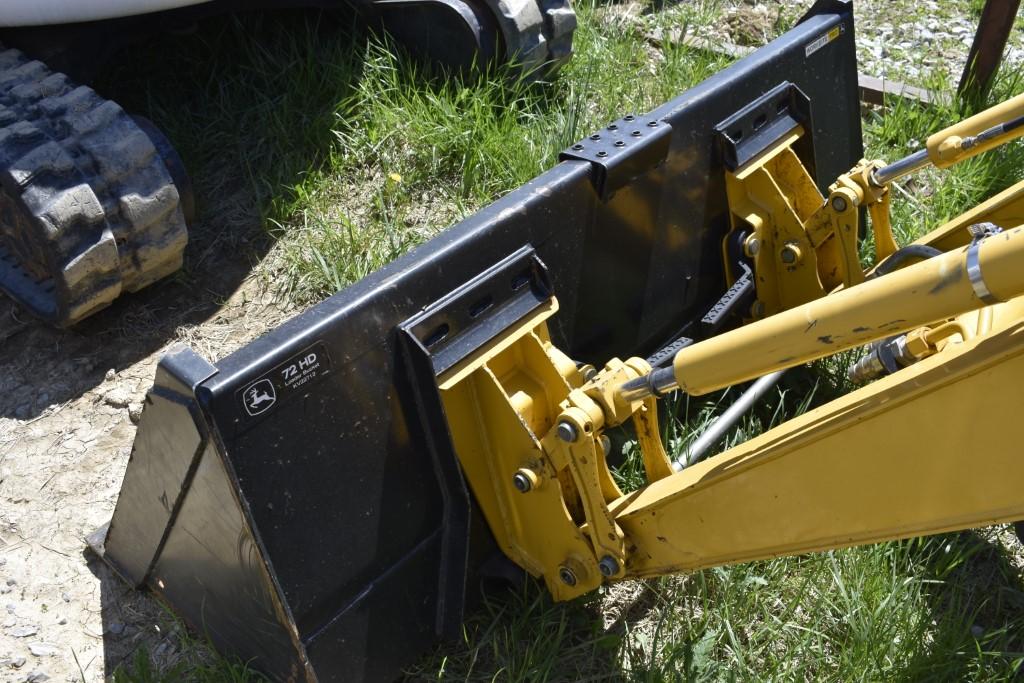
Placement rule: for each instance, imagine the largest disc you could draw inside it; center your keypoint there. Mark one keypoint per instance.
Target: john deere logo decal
(294, 377)
(259, 397)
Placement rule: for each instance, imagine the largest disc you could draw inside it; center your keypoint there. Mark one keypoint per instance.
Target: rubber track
(87, 208)
(538, 33)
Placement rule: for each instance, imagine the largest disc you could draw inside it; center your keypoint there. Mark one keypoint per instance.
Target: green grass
(346, 155)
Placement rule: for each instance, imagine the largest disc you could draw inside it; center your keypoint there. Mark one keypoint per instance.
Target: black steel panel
(216, 576)
(346, 500)
(167, 446)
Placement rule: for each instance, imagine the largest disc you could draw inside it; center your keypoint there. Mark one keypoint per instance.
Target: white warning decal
(823, 40)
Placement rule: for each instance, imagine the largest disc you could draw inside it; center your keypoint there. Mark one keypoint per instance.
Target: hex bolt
(608, 566)
(595, 136)
(652, 124)
(577, 147)
(636, 133)
(602, 153)
(613, 126)
(629, 117)
(567, 431)
(839, 204)
(790, 254)
(525, 480)
(620, 143)
(566, 575)
(751, 246)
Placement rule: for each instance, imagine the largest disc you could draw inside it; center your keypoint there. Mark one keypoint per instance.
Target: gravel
(919, 42)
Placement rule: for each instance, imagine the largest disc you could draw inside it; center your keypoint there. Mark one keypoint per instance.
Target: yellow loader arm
(923, 449)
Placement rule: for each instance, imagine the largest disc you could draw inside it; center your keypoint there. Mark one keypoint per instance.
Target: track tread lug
(96, 211)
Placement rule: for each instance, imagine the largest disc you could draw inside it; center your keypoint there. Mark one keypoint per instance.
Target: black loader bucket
(299, 501)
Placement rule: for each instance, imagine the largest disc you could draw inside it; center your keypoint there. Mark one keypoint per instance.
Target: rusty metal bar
(989, 42)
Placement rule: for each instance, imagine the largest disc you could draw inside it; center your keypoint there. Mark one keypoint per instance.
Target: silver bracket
(980, 231)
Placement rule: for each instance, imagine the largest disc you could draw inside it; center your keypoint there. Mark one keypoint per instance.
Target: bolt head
(595, 136)
(602, 153)
(752, 246)
(567, 432)
(839, 203)
(608, 566)
(790, 254)
(522, 482)
(566, 575)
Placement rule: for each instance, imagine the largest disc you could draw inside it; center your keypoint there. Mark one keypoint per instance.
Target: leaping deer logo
(259, 397)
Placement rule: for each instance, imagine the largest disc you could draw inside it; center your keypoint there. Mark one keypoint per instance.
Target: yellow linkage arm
(932, 290)
(931, 448)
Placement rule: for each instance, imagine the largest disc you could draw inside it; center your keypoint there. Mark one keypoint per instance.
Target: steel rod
(698, 450)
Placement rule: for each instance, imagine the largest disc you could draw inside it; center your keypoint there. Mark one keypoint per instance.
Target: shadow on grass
(250, 103)
(977, 600)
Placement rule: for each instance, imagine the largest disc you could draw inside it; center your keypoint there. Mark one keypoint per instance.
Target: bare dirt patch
(68, 406)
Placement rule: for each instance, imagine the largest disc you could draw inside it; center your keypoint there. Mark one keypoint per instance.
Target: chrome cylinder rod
(898, 169)
(658, 383)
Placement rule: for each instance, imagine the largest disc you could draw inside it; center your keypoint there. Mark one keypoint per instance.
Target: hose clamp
(980, 231)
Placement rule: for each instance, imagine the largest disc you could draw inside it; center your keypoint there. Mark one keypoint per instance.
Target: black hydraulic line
(902, 255)
(993, 132)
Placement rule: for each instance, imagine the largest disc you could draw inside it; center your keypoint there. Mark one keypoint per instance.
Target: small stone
(13, 662)
(65, 597)
(36, 677)
(23, 631)
(62, 621)
(116, 398)
(10, 607)
(8, 622)
(12, 582)
(42, 649)
(135, 412)
(115, 628)
(23, 411)
(110, 375)
(5, 589)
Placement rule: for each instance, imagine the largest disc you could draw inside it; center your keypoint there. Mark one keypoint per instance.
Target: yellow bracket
(803, 245)
(528, 425)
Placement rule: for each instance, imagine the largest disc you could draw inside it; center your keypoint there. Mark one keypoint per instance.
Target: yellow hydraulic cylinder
(984, 131)
(933, 290)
